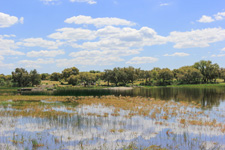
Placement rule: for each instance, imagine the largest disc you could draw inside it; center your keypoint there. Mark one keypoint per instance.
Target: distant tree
(45, 76)
(107, 76)
(20, 77)
(132, 73)
(35, 78)
(145, 74)
(94, 71)
(155, 73)
(74, 80)
(55, 76)
(208, 70)
(188, 75)
(222, 73)
(165, 74)
(66, 73)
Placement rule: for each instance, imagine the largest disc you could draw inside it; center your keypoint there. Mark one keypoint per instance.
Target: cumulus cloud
(36, 63)
(196, 38)
(84, 1)
(8, 46)
(178, 54)
(99, 22)
(39, 42)
(142, 60)
(8, 66)
(206, 19)
(73, 34)
(45, 53)
(7, 20)
(98, 60)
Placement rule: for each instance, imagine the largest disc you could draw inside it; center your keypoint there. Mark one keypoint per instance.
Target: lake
(141, 118)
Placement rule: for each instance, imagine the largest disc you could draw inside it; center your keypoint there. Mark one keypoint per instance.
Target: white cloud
(220, 16)
(84, 1)
(36, 63)
(164, 4)
(4, 66)
(142, 60)
(73, 34)
(206, 19)
(178, 54)
(98, 60)
(10, 52)
(223, 49)
(45, 53)
(52, 2)
(98, 22)
(197, 38)
(7, 20)
(219, 55)
(8, 46)
(39, 42)
(1, 58)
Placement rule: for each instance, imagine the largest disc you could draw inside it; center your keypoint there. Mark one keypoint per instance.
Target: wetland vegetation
(77, 110)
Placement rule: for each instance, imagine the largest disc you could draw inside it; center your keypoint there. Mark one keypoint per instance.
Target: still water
(187, 119)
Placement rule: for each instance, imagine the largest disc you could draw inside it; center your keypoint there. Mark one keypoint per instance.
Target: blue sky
(50, 35)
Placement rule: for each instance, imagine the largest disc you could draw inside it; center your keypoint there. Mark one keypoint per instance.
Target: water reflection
(87, 127)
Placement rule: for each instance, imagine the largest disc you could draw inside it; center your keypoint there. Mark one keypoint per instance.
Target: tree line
(200, 72)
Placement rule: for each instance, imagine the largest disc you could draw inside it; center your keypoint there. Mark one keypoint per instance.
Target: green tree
(188, 75)
(107, 76)
(35, 78)
(208, 70)
(66, 73)
(55, 76)
(132, 73)
(20, 77)
(165, 74)
(74, 80)
(222, 74)
(45, 76)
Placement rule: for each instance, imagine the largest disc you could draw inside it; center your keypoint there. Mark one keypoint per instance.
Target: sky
(51, 35)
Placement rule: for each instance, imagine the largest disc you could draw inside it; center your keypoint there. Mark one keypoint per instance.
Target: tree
(20, 77)
(35, 78)
(74, 80)
(66, 73)
(107, 76)
(222, 74)
(165, 74)
(45, 76)
(132, 73)
(188, 75)
(55, 76)
(208, 70)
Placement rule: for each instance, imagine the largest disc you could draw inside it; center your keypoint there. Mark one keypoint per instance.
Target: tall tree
(55, 76)
(208, 70)
(35, 78)
(20, 77)
(66, 73)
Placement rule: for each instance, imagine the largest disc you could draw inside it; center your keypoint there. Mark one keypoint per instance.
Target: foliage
(55, 76)
(209, 71)
(35, 78)
(20, 77)
(66, 73)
